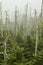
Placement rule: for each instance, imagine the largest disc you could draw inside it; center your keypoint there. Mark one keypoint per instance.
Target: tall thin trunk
(36, 22)
(36, 40)
(15, 28)
(1, 23)
(5, 53)
(25, 20)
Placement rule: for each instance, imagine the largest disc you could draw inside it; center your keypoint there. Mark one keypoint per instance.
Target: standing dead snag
(5, 53)
(5, 50)
(42, 11)
(7, 24)
(25, 20)
(41, 18)
(1, 23)
(30, 21)
(6, 37)
(15, 26)
(36, 22)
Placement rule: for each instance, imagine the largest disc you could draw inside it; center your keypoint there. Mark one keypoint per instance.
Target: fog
(9, 5)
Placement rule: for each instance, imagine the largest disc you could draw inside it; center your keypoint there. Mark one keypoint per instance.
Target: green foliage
(21, 51)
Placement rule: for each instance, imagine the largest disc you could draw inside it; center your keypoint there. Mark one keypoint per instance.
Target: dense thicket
(21, 50)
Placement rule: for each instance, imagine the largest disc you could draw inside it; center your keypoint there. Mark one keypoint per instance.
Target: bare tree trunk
(6, 38)
(5, 50)
(15, 28)
(25, 20)
(36, 40)
(5, 53)
(36, 22)
(1, 23)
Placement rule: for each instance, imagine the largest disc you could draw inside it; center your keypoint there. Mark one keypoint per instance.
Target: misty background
(9, 5)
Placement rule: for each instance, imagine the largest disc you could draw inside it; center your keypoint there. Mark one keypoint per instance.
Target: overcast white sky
(9, 5)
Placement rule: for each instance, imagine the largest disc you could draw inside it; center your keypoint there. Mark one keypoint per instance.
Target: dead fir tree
(1, 23)
(25, 20)
(41, 19)
(15, 23)
(36, 22)
(6, 37)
